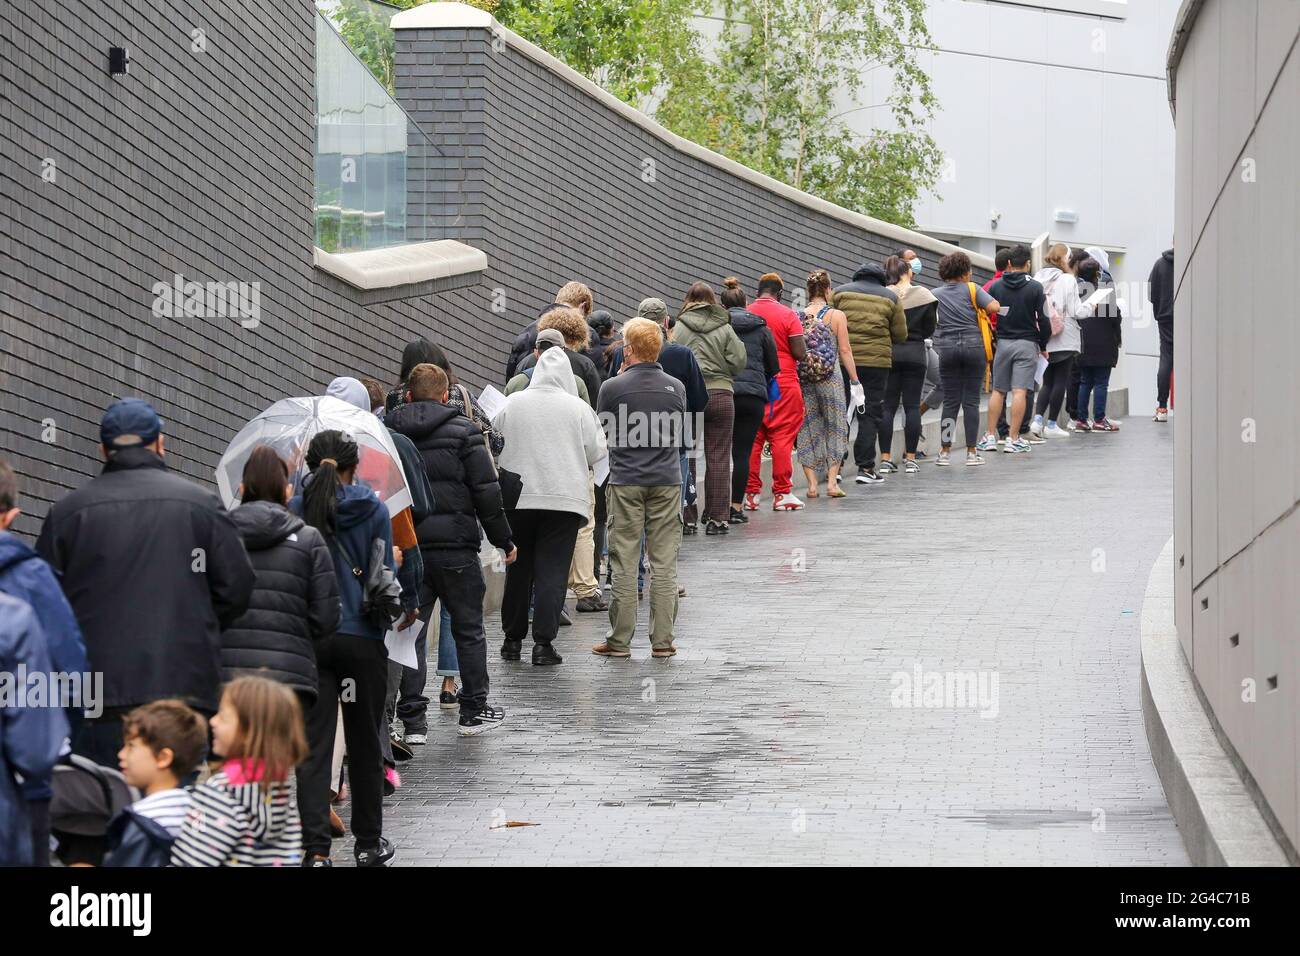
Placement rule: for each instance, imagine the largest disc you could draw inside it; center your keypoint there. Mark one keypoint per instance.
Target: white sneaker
(1054, 430)
(416, 740)
(1036, 426)
(1162, 415)
(786, 503)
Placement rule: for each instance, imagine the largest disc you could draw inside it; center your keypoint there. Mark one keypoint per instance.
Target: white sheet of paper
(490, 400)
(1039, 368)
(401, 644)
(1098, 297)
(600, 470)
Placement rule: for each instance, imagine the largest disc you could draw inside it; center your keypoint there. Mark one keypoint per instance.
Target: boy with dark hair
(163, 742)
(1023, 331)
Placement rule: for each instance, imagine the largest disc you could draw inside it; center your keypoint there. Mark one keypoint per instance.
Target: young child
(162, 744)
(246, 814)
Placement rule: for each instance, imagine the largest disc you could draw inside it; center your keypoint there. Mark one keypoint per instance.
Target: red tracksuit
(782, 421)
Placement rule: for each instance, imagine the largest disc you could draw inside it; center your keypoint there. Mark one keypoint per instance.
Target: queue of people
(247, 682)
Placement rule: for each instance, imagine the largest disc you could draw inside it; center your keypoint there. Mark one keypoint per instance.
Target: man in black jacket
(463, 480)
(154, 570)
(1024, 328)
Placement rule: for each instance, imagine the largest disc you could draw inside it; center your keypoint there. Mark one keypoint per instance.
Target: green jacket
(876, 320)
(706, 330)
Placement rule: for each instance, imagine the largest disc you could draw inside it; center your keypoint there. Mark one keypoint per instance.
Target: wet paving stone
(785, 730)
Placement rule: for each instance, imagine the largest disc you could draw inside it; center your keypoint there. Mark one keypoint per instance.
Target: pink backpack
(1058, 320)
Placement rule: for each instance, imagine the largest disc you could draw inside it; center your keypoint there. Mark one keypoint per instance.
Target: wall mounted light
(1066, 215)
(119, 60)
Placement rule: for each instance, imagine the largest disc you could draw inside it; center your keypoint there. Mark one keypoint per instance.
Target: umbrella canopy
(289, 425)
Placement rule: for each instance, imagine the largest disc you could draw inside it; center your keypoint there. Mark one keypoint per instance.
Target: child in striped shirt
(246, 814)
(162, 744)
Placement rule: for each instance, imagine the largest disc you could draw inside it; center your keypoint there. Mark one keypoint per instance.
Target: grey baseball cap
(550, 337)
(653, 309)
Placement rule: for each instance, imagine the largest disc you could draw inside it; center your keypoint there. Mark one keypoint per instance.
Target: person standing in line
(295, 600)
(751, 388)
(876, 323)
(1000, 260)
(1022, 334)
(1160, 291)
(1064, 309)
(352, 663)
(704, 327)
(32, 736)
(907, 373)
(572, 295)
(823, 437)
(1101, 338)
(963, 361)
(601, 323)
(781, 424)
(552, 441)
(246, 813)
(643, 414)
(23, 575)
(151, 621)
(1072, 381)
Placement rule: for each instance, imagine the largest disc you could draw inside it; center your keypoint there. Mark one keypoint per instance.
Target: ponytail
(330, 452)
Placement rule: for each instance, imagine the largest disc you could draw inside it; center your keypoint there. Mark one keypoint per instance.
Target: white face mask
(916, 266)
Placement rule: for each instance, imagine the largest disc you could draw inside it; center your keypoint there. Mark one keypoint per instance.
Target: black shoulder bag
(381, 595)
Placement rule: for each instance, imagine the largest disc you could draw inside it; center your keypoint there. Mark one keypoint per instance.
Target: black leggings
(1055, 379)
(1166, 370)
(749, 414)
(961, 368)
(906, 380)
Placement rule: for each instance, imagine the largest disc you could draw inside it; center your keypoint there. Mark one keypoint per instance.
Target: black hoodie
(1161, 284)
(761, 361)
(461, 475)
(1024, 309)
(295, 601)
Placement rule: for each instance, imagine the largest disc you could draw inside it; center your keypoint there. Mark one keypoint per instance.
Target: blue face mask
(916, 266)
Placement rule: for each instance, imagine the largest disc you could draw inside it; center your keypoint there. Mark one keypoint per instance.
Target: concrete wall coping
(461, 16)
(402, 265)
(1177, 43)
(1219, 820)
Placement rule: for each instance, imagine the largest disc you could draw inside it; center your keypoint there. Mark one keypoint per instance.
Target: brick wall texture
(199, 163)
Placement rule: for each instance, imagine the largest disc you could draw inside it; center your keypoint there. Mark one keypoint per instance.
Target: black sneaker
(716, 527)
(690, 529)
(545, 654)
(400, 750)
(510, 651)
(591, 604)
(473, 723)
(737, 517)
(314, 860)
(867, 476)
(449, 699)
(380, 855)
(565, 620)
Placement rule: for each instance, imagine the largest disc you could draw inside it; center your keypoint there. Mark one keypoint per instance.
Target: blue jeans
(448, 666)
(1094, 379)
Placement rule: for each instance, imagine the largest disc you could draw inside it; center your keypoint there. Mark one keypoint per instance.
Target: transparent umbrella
(289, 425)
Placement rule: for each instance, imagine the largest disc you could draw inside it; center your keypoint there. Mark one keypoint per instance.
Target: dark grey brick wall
(198, 164)
(549, 182)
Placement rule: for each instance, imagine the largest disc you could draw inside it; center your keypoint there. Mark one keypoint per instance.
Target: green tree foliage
(775, 92)
(786, 76)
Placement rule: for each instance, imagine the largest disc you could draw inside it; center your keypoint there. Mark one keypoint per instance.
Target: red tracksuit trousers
(780, 427)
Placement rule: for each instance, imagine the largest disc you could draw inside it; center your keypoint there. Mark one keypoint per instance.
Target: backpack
(819, 364)
(1058, 320)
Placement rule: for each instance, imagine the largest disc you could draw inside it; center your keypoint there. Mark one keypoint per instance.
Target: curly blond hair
(577, 295)
(570, 323)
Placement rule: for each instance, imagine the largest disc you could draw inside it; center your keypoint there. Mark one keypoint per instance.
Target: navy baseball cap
(128, 422)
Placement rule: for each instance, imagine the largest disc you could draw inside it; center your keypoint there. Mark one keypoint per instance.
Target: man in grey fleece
(643, 413)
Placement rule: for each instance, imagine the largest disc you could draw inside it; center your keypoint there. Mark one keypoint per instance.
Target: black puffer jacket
(1101, 335)
(461, 476)
(154, 571)
(295, 601)
(761, 361)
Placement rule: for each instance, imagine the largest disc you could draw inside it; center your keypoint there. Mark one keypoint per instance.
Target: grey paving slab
(781, 732)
